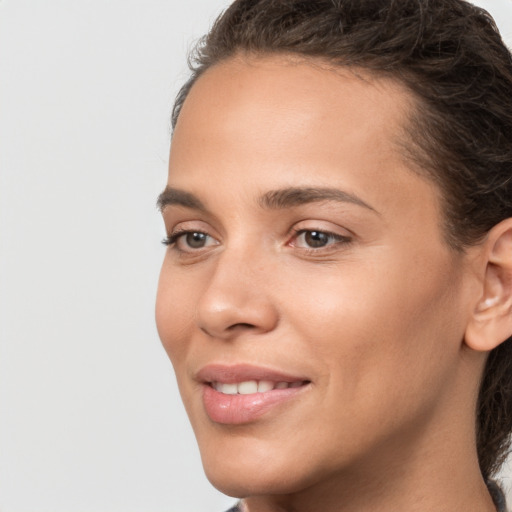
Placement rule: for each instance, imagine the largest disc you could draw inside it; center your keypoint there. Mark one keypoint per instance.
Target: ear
(491, 321)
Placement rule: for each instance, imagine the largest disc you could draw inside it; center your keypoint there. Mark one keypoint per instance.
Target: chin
(242, 484)
(256, 475)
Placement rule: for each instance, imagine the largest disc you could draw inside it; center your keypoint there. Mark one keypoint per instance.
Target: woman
(336, 297)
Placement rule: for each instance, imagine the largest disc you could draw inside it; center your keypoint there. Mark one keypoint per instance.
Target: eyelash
(173, 237)
(335, 238)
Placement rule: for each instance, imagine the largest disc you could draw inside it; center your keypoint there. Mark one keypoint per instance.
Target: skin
(375, 319)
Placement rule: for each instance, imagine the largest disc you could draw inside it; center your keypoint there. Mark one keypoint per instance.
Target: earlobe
(491, 321)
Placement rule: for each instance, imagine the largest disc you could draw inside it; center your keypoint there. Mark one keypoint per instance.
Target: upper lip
(230, 374)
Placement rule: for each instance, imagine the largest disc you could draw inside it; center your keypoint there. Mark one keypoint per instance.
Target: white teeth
(227, 389)
(250, 387)
(247, 388)
(265, 385)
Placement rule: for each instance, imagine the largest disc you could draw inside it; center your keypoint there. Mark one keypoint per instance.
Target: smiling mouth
(250, 387)
(238, 394)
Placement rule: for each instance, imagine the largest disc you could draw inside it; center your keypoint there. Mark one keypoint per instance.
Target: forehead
(266, 88)
(250, 125)
(265, 104)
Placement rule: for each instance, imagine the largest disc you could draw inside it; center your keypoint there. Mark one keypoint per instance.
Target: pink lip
(238, 409)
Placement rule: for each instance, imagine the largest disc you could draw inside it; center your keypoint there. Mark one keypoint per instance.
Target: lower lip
(238, 409)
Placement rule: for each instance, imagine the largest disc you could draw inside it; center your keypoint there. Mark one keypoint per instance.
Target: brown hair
(450, 55)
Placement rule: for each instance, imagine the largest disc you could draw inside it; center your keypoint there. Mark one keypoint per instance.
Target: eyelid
(175, 235)
(179, 226)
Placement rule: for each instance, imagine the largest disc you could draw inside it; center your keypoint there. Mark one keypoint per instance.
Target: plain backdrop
(90, 418)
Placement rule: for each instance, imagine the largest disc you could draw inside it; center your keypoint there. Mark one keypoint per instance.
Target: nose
(237, 299)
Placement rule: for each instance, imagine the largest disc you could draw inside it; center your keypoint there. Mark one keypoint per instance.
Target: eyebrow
(174, 196)
(296, 196)
(279, 199)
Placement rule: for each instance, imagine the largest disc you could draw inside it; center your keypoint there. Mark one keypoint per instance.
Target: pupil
(316, 238)
(196, 240)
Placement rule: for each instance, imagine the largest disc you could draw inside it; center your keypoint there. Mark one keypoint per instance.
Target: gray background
(90, 418)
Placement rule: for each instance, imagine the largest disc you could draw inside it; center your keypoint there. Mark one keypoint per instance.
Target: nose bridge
(238, 296)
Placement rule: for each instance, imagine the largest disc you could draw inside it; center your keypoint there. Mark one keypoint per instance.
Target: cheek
(174, 314)
(381, 326)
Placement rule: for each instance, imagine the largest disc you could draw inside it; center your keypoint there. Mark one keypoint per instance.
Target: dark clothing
(494, 490)
(497, 496)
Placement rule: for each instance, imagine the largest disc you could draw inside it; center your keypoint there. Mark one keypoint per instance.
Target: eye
(194, 240)
(189, 241)
(316, 239)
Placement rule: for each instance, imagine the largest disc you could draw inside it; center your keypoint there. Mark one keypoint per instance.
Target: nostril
(241, 325)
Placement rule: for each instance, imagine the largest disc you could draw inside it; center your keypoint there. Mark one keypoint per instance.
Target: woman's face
(309, 304)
